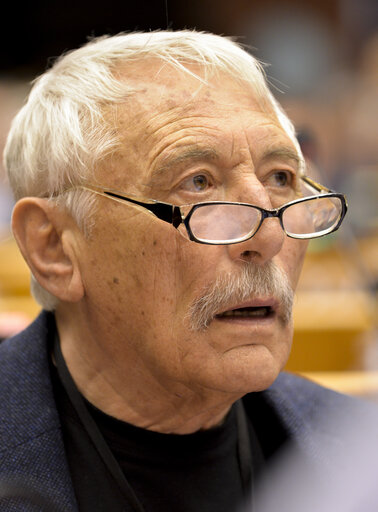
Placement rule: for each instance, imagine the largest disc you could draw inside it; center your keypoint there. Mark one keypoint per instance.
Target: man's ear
(45, 234)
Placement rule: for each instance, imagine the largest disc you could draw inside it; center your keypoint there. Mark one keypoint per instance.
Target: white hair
(62, 133)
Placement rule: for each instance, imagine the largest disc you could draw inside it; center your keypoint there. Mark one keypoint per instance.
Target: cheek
(196, 268)
(144, 275)
(156, 273)
(128, 264)
(148, 276)
(292, 257)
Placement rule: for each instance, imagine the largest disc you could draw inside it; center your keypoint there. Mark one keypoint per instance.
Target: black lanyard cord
(244, 445)
(92, 429)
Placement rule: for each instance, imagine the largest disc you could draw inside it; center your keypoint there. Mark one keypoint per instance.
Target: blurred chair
(17, 307)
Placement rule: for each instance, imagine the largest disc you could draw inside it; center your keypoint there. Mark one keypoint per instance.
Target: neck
(135, 395)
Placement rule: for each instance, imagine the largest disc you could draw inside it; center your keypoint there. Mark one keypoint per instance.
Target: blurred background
(321, 59)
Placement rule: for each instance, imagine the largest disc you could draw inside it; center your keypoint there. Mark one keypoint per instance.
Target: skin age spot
(143, 253)
(155, 242)
(115, 280)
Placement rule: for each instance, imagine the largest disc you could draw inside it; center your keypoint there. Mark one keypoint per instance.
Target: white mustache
(252, 282)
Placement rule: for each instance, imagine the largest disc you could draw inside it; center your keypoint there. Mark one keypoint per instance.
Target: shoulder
(27, 405)
(332, 457)
(31, 445)
(296, 407)
(318, 418)
(13, 349)
(310, 399)
(304, 394)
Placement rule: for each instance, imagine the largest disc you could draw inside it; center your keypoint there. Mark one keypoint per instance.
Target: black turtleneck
(165, 472)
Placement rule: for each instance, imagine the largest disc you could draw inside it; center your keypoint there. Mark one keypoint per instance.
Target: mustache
(252, 281)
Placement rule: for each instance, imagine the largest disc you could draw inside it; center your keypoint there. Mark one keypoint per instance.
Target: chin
(259, 381)
(244, 372)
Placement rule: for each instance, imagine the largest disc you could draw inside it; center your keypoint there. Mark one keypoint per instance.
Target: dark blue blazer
(31, 446)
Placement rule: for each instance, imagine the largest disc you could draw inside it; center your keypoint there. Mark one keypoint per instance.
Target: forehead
(171, 117)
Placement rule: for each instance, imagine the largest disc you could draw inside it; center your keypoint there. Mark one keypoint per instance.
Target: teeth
(247, 312)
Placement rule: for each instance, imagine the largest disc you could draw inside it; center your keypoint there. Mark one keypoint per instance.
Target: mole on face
(115, 280)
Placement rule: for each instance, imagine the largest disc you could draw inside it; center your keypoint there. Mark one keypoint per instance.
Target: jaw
(194, 386)
(239, 355)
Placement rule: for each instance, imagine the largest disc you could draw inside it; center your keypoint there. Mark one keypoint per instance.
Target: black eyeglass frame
(173, 215)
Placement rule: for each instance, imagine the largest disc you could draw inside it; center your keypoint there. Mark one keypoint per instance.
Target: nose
(263, 246)
(268, 240)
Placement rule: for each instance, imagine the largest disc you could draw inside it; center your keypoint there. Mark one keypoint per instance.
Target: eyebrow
(284, 153)
(192, 154)
(198, 153)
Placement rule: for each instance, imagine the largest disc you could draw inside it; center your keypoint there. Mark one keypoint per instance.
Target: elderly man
(164, 212)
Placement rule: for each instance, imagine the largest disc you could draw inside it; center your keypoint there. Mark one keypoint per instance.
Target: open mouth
(248, 312)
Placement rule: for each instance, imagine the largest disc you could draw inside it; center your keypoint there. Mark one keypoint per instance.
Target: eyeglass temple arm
(321, 188)
(166, 212)
(315, 185)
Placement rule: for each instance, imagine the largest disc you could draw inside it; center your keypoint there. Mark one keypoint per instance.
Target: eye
(200, 182)
(197, 183)
(280, 179)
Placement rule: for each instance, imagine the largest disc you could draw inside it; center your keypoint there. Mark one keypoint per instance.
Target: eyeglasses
(224, 223)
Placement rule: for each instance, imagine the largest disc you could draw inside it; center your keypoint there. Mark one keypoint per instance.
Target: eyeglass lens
(229, 223)
(224, 222)
(313, 217)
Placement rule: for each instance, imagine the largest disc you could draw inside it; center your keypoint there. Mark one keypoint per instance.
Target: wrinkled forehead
(155, 84)
(168, 107)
